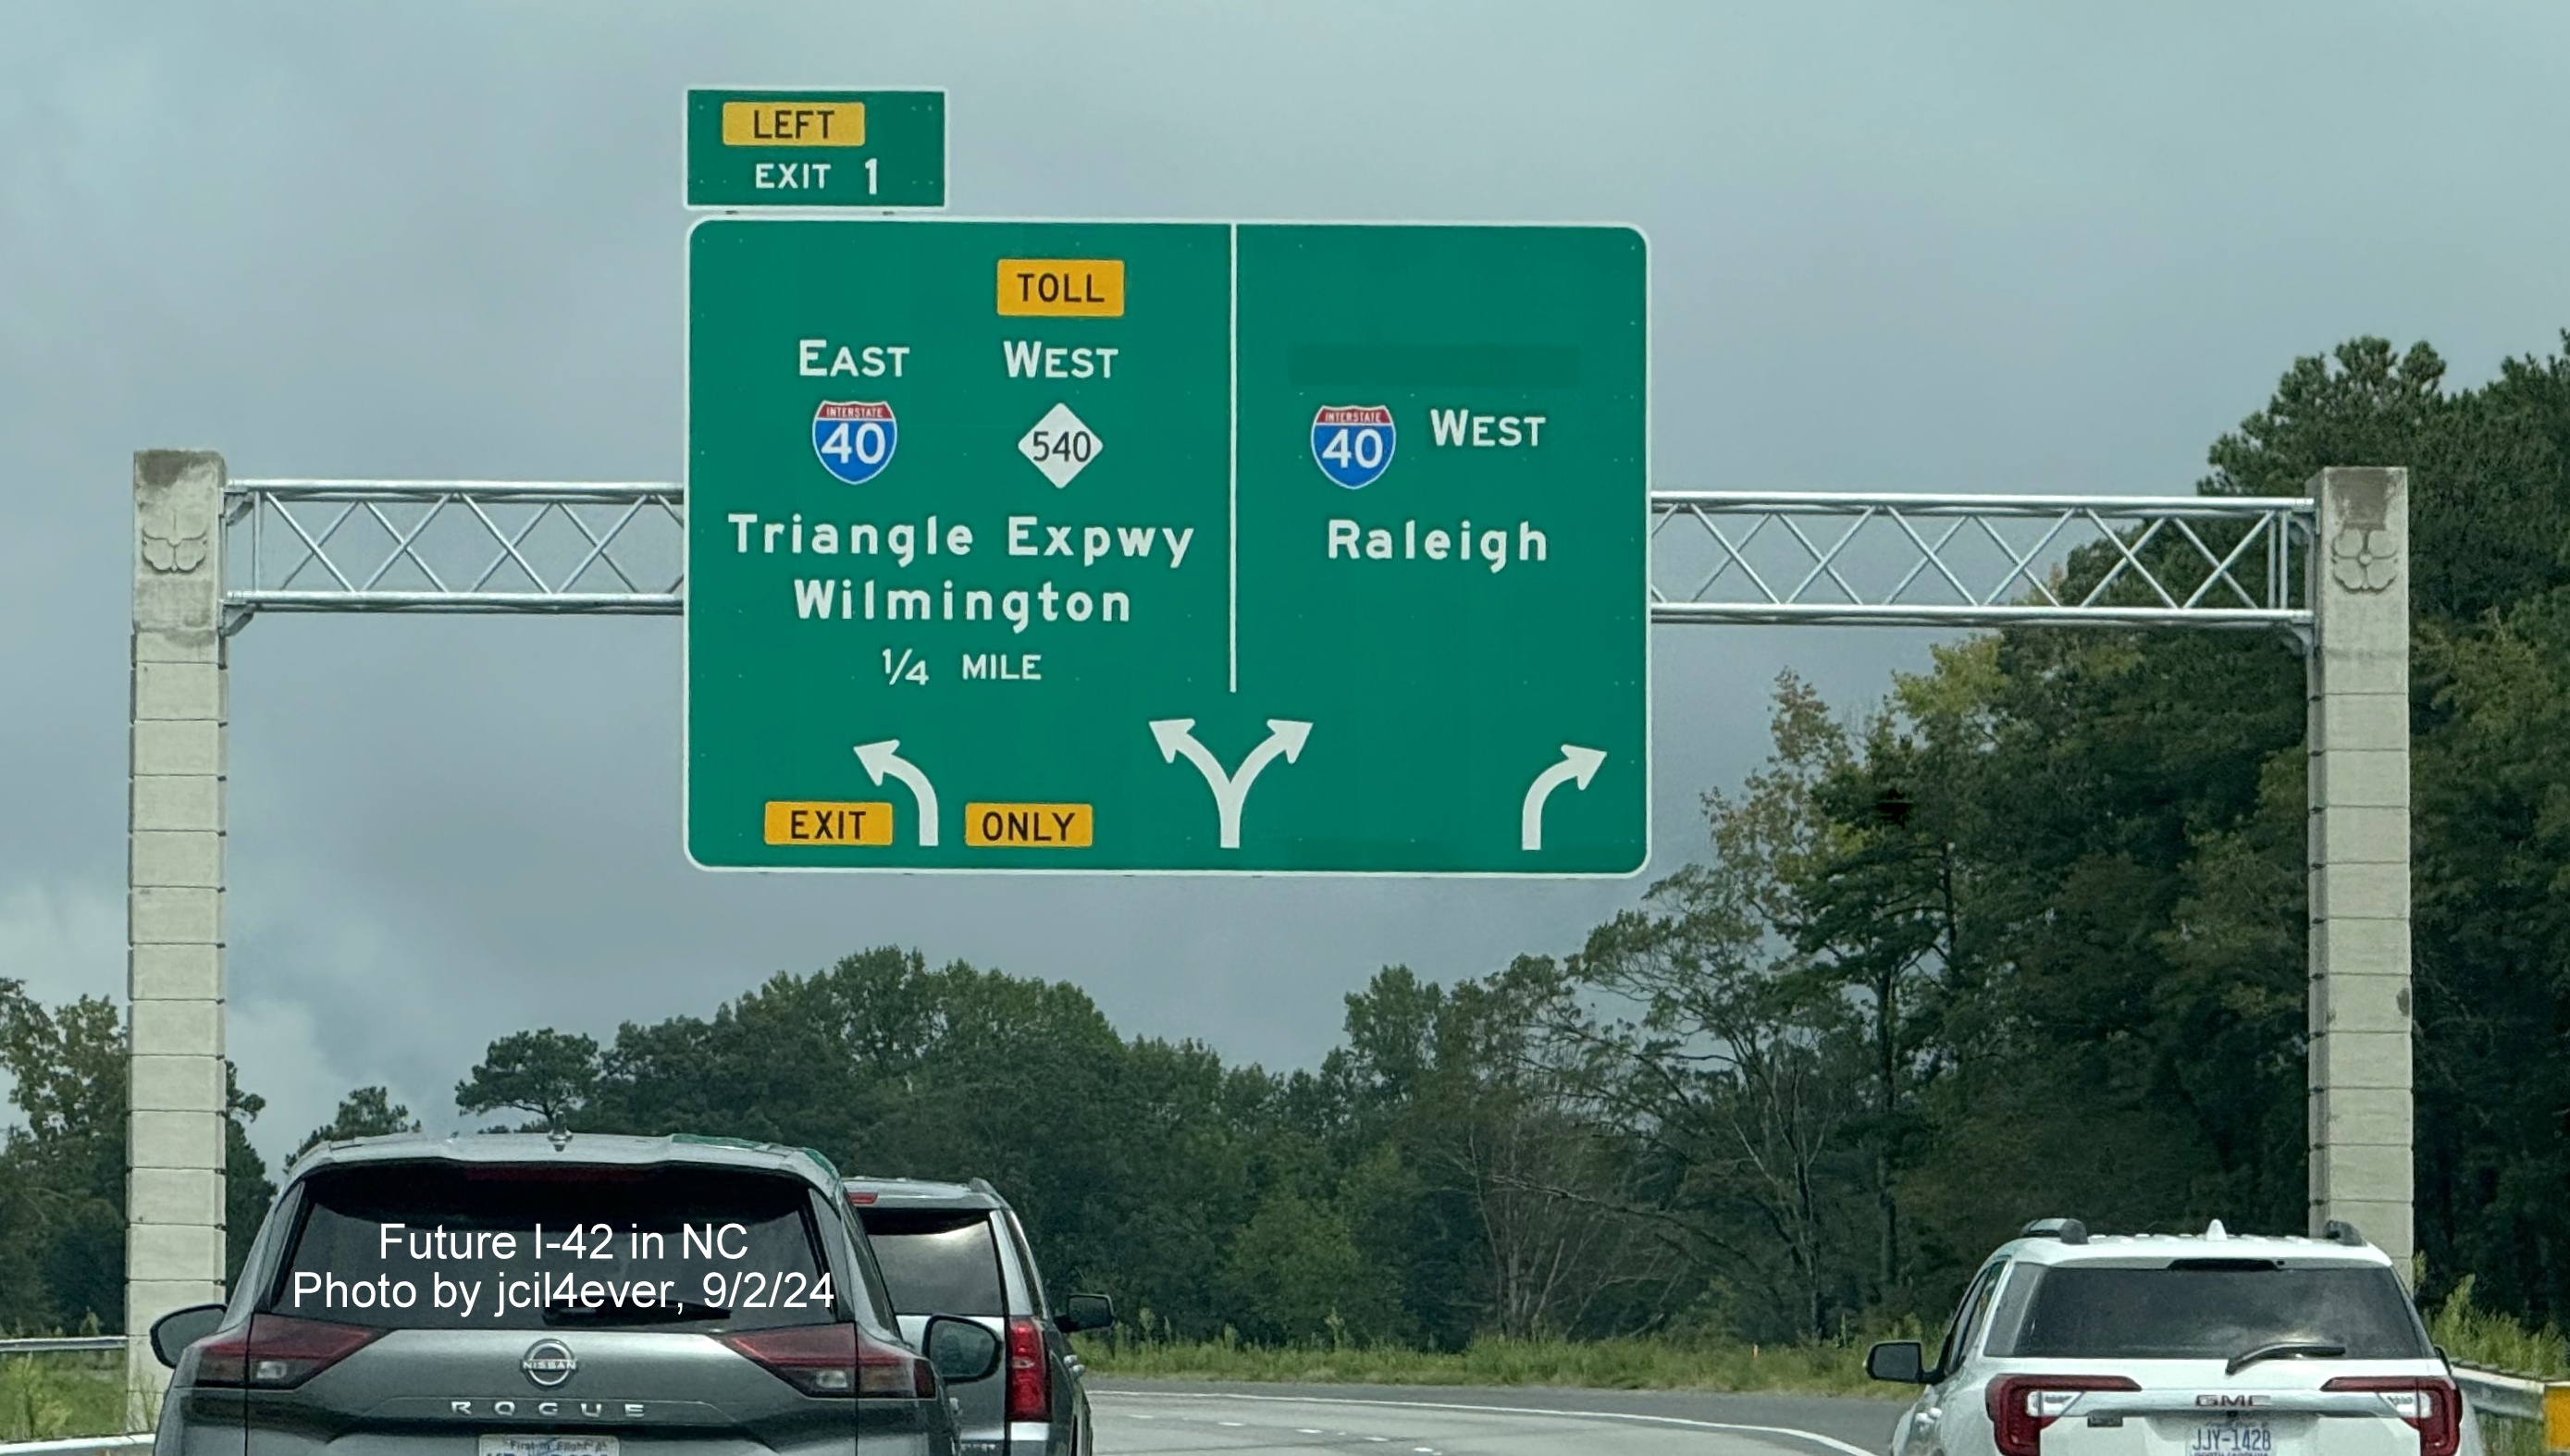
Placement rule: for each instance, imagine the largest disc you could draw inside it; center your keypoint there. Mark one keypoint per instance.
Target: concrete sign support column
(174, 1242)
(2358, 741)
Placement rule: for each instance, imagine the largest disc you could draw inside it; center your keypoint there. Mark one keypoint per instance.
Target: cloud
(64, 938)
(1973, 248)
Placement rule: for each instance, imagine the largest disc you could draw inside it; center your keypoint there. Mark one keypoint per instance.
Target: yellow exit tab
(1061, 287)
(795, 123)
(1027, 826)
(801, 821)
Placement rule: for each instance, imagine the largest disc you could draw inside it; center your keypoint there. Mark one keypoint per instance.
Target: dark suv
(956, 1249)
(508, 1294)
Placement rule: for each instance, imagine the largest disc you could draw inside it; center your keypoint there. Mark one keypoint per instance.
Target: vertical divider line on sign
(1232, 537)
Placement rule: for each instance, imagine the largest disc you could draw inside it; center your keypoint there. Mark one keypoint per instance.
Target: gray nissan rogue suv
(522, 1294)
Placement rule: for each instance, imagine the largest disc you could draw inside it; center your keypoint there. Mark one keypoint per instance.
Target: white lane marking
(1833, 1443)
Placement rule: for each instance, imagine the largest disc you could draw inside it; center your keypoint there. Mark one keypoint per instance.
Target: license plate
(2223, 1439)
(534, 1445)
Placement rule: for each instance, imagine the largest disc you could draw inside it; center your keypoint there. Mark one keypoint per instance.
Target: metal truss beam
(1717, 556)
(547, 546)
(1982, 560)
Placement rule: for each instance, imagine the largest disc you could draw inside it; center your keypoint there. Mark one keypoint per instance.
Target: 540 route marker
(1368, 548)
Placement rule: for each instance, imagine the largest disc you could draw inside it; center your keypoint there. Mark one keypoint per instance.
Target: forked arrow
(1576, 763)
(1230, 791)
(880, 760)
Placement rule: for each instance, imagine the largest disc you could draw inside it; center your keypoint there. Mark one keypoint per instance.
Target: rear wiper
(2321, 1350)
(633, 1313)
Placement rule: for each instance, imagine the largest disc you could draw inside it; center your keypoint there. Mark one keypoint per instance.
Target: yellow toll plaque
(1061, 287)
(798, 822)
(773, 123)
(1027, 826)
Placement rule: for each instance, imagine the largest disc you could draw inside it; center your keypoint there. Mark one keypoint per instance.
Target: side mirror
(1902, 1361)
(959, 1349)
(172, 1332)
(1085, 1311)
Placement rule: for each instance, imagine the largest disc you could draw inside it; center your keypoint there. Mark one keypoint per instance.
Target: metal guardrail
(54, 1344)
(2494, 1392)
(78, 1445)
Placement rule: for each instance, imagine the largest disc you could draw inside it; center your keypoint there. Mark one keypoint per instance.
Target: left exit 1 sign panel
(816, 149)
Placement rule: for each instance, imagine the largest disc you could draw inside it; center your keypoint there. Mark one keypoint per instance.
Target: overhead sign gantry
(1166, 547)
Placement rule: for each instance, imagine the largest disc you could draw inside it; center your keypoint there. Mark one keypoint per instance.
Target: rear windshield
(937, 1261)
(562, 1247)
(2203, 1310)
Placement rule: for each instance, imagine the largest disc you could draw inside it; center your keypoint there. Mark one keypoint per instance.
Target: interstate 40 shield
(1359, 587)
(854, 438)
(1353, 443)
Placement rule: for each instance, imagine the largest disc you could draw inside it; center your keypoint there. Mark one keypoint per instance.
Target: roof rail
(2068, 1231)
(2340, 1231)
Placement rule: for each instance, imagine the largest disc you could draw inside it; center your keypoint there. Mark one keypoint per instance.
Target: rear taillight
(1029, 1396)
(837, 1360)
(2432, 1406)
(2022, 1406)
(275, 1352)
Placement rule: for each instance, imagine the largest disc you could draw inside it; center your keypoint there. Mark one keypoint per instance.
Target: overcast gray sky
(1963, 246)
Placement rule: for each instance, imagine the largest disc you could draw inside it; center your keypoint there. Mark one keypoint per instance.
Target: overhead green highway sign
(816, 149)
(1166, 547)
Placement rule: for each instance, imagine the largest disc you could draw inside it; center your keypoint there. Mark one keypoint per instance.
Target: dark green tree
(367, 1112)
(552, 1075)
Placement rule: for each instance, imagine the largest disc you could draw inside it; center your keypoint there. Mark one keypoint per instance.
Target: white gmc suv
(2179, 1346)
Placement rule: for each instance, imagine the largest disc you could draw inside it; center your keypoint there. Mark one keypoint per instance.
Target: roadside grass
(2499, 1342)
(49, 1397)
(1615, 1364)
(2472, 1336)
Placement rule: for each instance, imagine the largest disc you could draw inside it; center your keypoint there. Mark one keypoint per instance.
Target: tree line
(2026, 939)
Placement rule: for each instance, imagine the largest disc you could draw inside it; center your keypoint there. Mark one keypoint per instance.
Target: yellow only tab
(800, 822)
(2556, 1416)
(795, 123)
(1061, 287)
(1027, 826)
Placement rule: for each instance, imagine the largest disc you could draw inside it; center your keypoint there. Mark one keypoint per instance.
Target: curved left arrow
(880, 759)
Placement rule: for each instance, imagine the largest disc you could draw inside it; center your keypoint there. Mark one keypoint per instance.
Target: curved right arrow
(1577, 764)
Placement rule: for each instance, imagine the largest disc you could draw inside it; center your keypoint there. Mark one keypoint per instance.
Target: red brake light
(837, 1360)
(860, 1199)
(2022, 1406)
(2431, 1404)
(1029, 1393)
(275, 1352)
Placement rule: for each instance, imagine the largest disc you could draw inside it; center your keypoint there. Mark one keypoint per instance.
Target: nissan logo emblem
(549, 1363)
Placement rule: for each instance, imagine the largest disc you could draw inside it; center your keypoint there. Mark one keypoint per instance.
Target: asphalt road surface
(1155, 1419)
